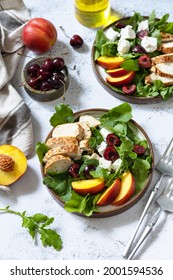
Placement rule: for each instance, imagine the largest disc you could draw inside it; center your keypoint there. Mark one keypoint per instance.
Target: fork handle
(151, 198)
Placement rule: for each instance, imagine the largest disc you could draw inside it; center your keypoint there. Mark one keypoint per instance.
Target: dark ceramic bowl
(44, 95)
(111, 210)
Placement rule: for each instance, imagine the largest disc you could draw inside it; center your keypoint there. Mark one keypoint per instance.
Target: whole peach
(39, 35)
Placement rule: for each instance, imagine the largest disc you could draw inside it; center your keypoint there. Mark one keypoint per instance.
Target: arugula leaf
(60, 184)
(37, 224)
(109, 49)
(41, 150)
(101, 39)
(126, 148)
(140, 170)
(95, 139)
(82, 204)
(121, 113)
(167, 28)
(63, 114)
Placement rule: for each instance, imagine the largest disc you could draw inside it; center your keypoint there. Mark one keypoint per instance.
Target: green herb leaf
(130, 64)
(36, 225)
(64, 114)
(41, 150)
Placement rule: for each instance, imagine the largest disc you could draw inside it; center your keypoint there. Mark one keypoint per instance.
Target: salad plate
(106, 46)
(60, 187)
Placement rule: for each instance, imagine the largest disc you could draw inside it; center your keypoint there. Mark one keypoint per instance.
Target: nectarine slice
(91, 186)
(121, 81)
(13, 164)
(127, 189)
(117, 72)
(110, 193)
(110, 62)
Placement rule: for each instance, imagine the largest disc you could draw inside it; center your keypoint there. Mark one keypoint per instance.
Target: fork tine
(169, 149)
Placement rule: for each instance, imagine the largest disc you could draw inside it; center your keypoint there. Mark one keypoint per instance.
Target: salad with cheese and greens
(108, 147)
(137, 40)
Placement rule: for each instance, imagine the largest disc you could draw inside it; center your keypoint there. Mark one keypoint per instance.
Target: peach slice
(121, 81)
(117, 72)
(127, 189)
(110, 62)
(110, 193)
(91, 186)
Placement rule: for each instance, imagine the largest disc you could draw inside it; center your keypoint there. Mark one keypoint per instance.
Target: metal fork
(165, 204)
(165, 166)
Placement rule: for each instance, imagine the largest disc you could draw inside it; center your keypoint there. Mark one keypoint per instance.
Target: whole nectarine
(39, 35)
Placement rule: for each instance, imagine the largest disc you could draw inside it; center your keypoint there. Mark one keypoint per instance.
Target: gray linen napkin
(15, 116)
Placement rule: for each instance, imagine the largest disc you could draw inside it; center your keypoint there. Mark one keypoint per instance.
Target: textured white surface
(83, 238)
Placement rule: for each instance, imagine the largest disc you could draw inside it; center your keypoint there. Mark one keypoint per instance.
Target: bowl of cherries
(45, 78)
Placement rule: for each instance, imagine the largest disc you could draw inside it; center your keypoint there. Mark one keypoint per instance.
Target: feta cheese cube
(111, 34)
(106, 164)
(143, 25)
(127, 32)
(149, 44)
(123, 46)
(116, 164)
(104, 132)
(101, 148)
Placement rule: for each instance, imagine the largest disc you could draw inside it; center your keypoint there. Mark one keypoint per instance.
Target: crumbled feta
(123, 46)
(111, 34)
(149, 44)
(104, 132)
(116, 165)
(101, 148)
(143, 25)
(106, 164)
(127, 32)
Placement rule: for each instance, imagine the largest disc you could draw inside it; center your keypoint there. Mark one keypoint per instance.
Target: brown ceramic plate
(101, 75)
(110, 210)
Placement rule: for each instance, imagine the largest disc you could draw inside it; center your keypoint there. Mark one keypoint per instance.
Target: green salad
(119, 122)
(104, 46)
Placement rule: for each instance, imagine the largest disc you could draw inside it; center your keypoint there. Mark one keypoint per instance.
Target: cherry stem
(63, 30)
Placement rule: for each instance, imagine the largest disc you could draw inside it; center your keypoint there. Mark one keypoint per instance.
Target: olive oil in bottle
(92, 13)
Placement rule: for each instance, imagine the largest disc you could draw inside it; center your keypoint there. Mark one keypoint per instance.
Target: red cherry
(129, 89)
(113, 140)
(141, 34)
(76, 41)
(74, 170)
(139, 149)
(144, 61)
(110, 153)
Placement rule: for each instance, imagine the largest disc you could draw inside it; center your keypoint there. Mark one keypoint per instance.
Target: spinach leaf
(95, 139)
(101, 39)
(63, 114)
(41, 150)
(109, 49)
(130, 64)
(140, 169)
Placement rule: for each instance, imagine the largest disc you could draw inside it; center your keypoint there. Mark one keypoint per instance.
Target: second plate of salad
(133, 58)
(96, 162)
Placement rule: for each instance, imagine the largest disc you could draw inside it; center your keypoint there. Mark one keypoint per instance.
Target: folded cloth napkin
(15, 116)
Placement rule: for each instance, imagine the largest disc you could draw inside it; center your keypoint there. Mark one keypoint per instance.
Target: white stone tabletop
(84, 238)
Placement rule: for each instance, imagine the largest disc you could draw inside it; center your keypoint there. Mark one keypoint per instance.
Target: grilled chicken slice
(163, 69)
(58, 164)
(166, 37)
(164, 58)
(87, 131)
(68, 129)
(166, 47)
(71, 151)
(61, 141)
(84, 146)
(154, 76)
(89, 120)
